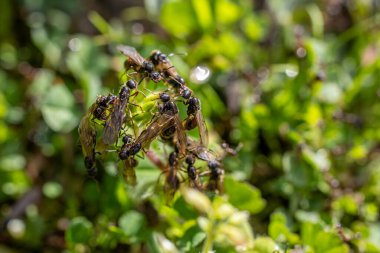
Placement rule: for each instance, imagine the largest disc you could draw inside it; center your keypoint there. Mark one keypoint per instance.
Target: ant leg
(132, 75)
(122, 132)
(142, 111)
(135, 128)
(158, 180)
(140, 155)
(125, 74)
(138, 84)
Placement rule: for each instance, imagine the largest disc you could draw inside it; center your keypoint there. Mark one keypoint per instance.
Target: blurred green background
(295, 82)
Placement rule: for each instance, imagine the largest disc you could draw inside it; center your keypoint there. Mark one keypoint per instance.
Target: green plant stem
(207, 246)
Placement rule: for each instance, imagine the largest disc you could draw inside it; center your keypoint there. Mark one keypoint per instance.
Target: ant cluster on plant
(116, 115)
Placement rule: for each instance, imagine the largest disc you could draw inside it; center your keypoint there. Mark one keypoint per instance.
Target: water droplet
(74, 44)
(200, 74)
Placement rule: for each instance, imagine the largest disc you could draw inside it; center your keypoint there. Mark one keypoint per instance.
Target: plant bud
(165, 245)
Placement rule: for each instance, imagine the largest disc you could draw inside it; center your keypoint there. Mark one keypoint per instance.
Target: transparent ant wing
(203, 133)
(132, 53)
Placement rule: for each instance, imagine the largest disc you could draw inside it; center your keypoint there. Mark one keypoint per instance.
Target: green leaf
(317, 21)
(339, 249)
(203, 12)
(99, 22)
(79, 231)
(131, 223)
(252, 28)
(309, 231)
(57, 109)
(231, 45)
(264, 245)
(182, 11)
(326, 241)
(191, 239)
(152, 243)
(279, 231)
(244, 196)
(41, 85)
(227, 12)
(346, 203)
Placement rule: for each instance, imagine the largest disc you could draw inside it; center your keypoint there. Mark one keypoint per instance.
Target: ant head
(185, 93)
(165, 97)
(102, 101)
(180, 80)
(127, 139)
(213, 165)
(124, 93)
(111, 98)
(155, 76)
(192, 172)
(194, 101)
(154, 57)
(123, 155)
(190, 159)
(131, 84)
(99, 113)
(162, 57)
(170, 107)
(148, 66)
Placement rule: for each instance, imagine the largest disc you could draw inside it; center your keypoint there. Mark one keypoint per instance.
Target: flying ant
(195, 118)
(139, 63)
(87, 131)
(114, 123)
(87, 137)
(176, 130)
(163, 65)
(215, 171)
